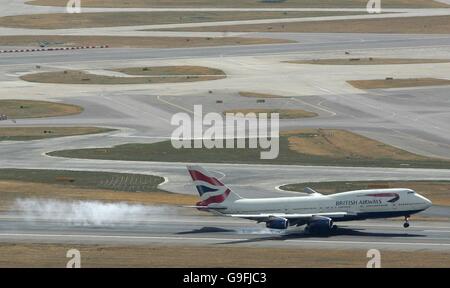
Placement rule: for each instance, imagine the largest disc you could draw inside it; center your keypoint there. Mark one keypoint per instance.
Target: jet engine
(320, 225)
(278, 223)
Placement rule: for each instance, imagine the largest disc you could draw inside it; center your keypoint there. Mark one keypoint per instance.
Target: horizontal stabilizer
(311, 191)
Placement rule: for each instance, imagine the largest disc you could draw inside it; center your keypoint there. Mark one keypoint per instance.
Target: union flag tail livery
(212, 191)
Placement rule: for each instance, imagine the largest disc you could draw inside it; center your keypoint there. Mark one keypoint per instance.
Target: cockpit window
(411, 192)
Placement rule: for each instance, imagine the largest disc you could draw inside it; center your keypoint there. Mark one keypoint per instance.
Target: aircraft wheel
(405, 225)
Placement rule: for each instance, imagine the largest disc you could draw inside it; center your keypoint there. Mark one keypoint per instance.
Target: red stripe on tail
(215, 199)
(196, 175)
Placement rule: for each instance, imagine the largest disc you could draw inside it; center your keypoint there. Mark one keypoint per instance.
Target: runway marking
(394, 226)
(231, 55)
(332, 114)
(132, 108)
(298, 193)
(120, 237)
(174, 105)
(371, 242)
(166, 180)
(6, 218)
(221, 173)
(429, 238)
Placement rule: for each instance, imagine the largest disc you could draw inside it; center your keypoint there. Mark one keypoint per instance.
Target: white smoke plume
(87, 213)
(260, 231)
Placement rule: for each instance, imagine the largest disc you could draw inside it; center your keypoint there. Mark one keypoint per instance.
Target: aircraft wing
(267, 217)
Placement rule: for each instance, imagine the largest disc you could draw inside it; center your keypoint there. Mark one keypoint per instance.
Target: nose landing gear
(406, 224)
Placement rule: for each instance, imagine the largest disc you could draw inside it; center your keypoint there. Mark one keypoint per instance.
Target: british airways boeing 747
(318, 212)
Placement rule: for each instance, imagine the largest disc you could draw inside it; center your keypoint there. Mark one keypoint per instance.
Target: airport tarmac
(338, 45)
(390, 116)
(171, 229)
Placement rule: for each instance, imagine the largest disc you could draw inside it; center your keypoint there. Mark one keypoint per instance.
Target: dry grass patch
(300, 147)
(115, 19)
(54, 255)
(33, 133)
(81, 77)
(368, 61)
(397, 83)
(134, 41)
(258, 95)
(171, 71)
(19, 109)
(242, 3)
(283, 113)
(334, 143)
(408, 25)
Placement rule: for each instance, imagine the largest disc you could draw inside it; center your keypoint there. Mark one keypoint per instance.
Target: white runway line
(332, 114)
(174, 105)
(394, 226)
(371, 242)
(120, 237)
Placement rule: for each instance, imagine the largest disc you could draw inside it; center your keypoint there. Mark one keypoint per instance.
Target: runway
(211, 230)
(118, 54)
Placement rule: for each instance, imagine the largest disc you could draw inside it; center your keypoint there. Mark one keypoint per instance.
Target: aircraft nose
(427, 201)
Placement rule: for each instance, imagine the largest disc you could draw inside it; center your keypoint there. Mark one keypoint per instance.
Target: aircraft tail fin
(210, 189)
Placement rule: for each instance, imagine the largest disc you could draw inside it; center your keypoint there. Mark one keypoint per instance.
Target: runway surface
(171, 229)
(77, 56)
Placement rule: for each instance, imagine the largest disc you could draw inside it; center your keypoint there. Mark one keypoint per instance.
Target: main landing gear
(406, 224)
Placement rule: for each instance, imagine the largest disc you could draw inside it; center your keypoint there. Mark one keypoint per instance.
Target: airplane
(317, 211)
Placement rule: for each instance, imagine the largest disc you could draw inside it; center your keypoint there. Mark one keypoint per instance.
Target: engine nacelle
(320, 225)
(278, 223)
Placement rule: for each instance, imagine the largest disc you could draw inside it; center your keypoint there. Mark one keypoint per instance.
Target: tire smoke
(87, 213)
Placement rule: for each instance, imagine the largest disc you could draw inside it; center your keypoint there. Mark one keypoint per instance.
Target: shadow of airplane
(338, 232)
(341, 231)
(206, 230)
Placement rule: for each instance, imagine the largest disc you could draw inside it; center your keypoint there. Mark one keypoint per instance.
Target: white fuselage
(360, 204)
